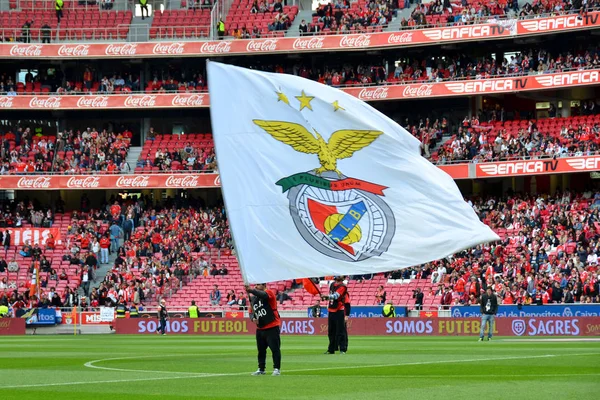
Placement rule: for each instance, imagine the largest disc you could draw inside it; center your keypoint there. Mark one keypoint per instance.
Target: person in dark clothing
(163, 315)
(557, 293)
(6, 241)
(46, 32)
(488, 308)
(265, 315)
(418, 296)
(315, 311)
(26, 32)
(336, 316)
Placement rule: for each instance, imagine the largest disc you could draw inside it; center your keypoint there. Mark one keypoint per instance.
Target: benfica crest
(341, 217)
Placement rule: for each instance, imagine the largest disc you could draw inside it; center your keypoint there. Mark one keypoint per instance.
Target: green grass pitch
(196, 367)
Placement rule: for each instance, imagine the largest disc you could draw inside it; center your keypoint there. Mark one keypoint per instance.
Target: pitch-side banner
(317, 182)
(371, 93)
(138, 181)
(12, 326)
(526, 327)
(493, 29)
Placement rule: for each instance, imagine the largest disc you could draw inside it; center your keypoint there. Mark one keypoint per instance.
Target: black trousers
(59, 15)
(162, 326)
(338, 337)
(268, 338)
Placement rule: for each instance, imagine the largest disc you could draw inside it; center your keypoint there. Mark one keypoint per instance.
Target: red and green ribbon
(304, 178)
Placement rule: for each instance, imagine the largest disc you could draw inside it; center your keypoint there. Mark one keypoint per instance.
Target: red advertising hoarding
(493, 29)
(34, 235)
(12, 326)
(467, 87)
(527, 326)
(84, 318)
(538, 167)
(138, 181)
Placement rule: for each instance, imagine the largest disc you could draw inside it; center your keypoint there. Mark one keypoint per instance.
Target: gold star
(336, 106)
(282, 97)
(305, 101)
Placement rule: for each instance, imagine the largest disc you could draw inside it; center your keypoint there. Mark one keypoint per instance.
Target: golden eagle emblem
(342, 144)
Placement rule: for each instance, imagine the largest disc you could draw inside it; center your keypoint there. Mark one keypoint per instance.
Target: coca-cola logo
(405, 37)
(168, 48)
(194, 100)
(373, 94)
(140, 101)
(417, 91)
(217, 181)
(40, 182)
(92, 102)
(178, 181)
(216, 47)
(78, 50)
(262, 45)
(135, 181)
(86, 182)
(45, 102)
(6, 101)
(308, 43)
(34, 50)
(355, 41)
(127, 49)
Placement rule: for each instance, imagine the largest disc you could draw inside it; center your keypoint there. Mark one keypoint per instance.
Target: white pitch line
(200, 375)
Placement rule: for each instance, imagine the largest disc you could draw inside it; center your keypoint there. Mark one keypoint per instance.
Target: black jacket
(489, 304)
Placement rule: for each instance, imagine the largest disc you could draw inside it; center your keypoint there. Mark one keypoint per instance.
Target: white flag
(317, 182)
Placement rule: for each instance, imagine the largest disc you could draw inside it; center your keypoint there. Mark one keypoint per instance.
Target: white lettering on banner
(168, 48)
(461, 32)
(127, 49)
(45, 102)
(417, 326)
(92, 102)
(484, 86)
(217, 181)
(69, 50)
(588, 164)
(262, 45)
(550, 24)
(379, 93)
(20, 236)
(569, 78)
(308, 43)
(87, 182)
(417, 91)
(34, 50)
(140, 101)
(216, 47)
(355, 41)
(305, 327)
(182, 181)
(194, 100)
(513, 168)
(405, 37)
(553, 327)
(135, 181)
(6, 101)
(40, 182)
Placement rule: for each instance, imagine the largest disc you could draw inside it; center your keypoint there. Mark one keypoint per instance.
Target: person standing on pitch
(489, 308)
(336, 317)
(264, 313)
(347, 307)
(163, 315)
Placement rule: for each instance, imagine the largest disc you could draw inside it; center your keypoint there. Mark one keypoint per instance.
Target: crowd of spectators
(189, 157)
(341, 17)
(92, 150)
(548, 252)
(24, 150)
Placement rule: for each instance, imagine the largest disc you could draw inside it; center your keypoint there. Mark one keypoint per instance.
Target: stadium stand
(179, 24)
(345, 17)
(248, 19)
(194, 152)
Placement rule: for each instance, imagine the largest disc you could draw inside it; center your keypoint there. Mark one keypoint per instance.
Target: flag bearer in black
(265, 315)
(162, 315)
(336, 318)
(347, 307)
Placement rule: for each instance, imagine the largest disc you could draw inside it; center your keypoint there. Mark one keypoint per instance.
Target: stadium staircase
(132, 158)
(305, 12)
(140, 29)
(4, 5)
(394, 25)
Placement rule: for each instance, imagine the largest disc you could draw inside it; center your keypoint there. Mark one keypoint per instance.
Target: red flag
(311, 287)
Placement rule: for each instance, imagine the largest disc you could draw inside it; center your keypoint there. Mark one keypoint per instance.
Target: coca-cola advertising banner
(537, 167)
(20, 236)
(371, 93)
(87, 102)
(12, 326)
(138, 181)
(546, 326)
